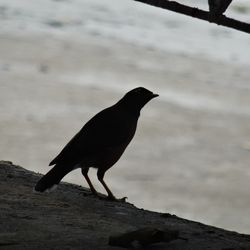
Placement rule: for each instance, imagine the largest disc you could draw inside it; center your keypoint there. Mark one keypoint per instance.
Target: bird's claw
(123, 199)
(113, 198)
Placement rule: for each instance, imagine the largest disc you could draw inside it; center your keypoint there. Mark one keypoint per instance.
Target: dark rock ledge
(71, 218)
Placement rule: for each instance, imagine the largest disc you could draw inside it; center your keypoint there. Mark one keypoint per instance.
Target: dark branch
(200, 14)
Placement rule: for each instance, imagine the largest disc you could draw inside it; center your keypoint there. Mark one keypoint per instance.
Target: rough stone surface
(71, 218)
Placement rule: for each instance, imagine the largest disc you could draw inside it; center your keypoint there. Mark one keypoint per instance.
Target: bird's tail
(49, 181)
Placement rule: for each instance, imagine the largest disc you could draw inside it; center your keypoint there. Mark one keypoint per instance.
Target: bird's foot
(113, 198)
(93, 193)
(123, 199)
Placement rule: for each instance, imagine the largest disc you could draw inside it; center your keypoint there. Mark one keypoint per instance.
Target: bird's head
(137, 98)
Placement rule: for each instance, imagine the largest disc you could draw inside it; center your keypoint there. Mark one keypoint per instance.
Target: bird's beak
(154, 95)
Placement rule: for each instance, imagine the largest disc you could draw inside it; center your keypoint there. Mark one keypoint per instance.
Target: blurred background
(62, 61)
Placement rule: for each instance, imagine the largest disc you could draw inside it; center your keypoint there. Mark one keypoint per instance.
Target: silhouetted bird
(218, 7)
(100, 143)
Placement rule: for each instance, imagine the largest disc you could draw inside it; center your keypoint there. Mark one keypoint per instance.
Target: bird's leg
(100, 175)
(85, 174)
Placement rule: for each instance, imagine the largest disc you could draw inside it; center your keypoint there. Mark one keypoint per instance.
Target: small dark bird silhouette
(100, 143)
(218, 7)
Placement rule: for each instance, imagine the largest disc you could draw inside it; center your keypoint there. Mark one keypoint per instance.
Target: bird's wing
(107, 129)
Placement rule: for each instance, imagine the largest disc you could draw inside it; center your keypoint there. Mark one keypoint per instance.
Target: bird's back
(113, 128)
